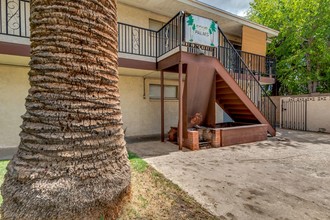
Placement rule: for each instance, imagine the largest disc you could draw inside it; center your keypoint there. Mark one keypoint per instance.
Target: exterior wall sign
(201, 30)
(314, 98)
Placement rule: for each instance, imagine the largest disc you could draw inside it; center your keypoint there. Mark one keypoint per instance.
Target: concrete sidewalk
(6, 153)
(285, 177)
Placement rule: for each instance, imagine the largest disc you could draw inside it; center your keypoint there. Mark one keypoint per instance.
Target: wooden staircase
(229, 95)
(234, 101)
(236, 88)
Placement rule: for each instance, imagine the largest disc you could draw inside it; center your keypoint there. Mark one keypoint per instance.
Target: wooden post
(180, 130)
(162, 105)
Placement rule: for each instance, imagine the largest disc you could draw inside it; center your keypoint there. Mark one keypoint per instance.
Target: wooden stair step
(222, 86)
(231, 101)
(237, 117)
(224, 91)
(235, 107)
(227, 96)
(240, 112)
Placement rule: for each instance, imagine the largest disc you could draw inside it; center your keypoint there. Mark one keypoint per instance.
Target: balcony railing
(15, 14)
(259, 65)
(245, 68)
(14, 18)
(136, 40)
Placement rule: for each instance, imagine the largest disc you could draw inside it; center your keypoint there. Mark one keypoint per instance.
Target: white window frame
(165, 97)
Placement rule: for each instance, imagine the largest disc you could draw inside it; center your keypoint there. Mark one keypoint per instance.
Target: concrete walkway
(6, 153)
(285, 177)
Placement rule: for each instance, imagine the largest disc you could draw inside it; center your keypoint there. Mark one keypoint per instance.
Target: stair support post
(162, 105)
(180, 130)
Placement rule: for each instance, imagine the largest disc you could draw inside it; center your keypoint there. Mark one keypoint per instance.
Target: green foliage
(3, 165)
(212, 27)
(302, 47)
(137, 163)
(190, 20)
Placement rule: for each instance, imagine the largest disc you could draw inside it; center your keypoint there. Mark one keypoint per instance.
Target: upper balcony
(140, 44)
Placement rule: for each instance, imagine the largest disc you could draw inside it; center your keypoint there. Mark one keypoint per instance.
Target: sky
(238, 7)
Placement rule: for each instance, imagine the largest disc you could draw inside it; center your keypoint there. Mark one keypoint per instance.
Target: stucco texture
(138, 17)
(142, 115)
(13, 91)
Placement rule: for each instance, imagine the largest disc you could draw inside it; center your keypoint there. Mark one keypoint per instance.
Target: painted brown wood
(136, 64)
(253, 41)
(162, 128)
(14, 49)
(243, 134)
(233, 97)
(238, 93)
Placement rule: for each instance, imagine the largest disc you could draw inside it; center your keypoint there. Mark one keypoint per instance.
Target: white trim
(14, 39)
(136, 57)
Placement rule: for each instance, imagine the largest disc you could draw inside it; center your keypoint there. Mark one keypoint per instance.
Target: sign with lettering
(312, 98)
(201, 30)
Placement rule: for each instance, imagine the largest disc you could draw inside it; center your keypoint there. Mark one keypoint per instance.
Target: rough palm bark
(72, 161)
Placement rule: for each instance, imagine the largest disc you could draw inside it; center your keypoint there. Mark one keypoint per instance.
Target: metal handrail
(261, 65)
(145, 42)
(169, 36)
(271, 118)
(137, 41)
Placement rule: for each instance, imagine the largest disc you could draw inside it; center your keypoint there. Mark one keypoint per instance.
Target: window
(170, 92)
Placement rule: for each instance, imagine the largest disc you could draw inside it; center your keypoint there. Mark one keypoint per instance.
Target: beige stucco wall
(318, 114)
(13, 91)
(138, 17)
(141, 116)
(276, 100)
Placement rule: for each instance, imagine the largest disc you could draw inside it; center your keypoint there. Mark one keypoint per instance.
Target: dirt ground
(285, 177)
(156, 198)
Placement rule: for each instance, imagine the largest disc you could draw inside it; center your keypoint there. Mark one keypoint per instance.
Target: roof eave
(195, 3)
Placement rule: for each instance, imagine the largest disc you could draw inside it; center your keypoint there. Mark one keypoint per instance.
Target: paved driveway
(285, 177)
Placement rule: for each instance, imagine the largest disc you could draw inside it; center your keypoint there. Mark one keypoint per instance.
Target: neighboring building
(146, 42)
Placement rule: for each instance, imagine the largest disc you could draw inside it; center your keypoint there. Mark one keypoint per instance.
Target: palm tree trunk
(72, 161)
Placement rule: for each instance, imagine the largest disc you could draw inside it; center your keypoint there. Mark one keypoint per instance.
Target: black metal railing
(245, 77)
(14, 18)
(244, 67)
(259, 65)
(136, 40)
(169, 36)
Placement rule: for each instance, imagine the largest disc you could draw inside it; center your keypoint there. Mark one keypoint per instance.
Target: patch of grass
(137, 163)
(3, 165)
(153, 196)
